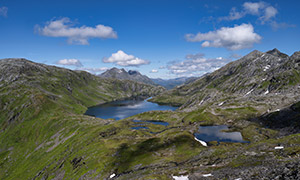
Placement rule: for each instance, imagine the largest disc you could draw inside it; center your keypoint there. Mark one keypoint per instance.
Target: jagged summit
(130, 75)
(277, 53)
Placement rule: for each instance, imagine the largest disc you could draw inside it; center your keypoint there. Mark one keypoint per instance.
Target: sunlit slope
(257, 77)
(41, 108)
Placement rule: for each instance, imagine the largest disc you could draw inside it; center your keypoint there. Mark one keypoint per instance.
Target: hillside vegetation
(44, 134)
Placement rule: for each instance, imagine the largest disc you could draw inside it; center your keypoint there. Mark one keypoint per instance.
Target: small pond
(125, 108)
(215, 133)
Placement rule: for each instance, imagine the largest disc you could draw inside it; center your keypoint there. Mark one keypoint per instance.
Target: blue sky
(160, 38)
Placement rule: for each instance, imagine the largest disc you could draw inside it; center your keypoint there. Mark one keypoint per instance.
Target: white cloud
(254, 8)
(233, 15)
(270, 12)
(275, 25)
(122, 59)
(232, 38)
(3, 11)
(195, 65)
(69, 62)
(154, 71)
(76, 35)
(264, 11)
(94, 70)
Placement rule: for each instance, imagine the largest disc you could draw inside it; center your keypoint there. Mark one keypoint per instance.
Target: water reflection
(140, 127)
(125, 108)
(214, 133)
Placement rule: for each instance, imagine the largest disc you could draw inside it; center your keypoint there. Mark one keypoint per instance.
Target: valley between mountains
(45, 135)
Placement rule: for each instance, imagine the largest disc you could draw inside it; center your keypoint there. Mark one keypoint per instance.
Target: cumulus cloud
(265, 12)
(69, 62)
(76, 35)
(232, 38)
(154, 71)
(196, 64)
(3, 11)
(270, 12)
(254, 8)
(122, 59)
(94, 70)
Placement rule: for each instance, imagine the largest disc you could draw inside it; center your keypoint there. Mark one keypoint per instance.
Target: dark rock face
(130, 75)
(276, 52)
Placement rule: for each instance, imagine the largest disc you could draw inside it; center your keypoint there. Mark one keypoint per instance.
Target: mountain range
(137, 76)
(130, 75)
(258, 76)
(45, 135)
(171, 83)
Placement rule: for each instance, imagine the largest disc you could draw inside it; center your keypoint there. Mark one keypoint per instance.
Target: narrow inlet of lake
(125, 108)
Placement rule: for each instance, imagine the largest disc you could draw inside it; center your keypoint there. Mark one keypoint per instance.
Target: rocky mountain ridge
(130, 75)
(172, 83)
(256, 77)
(137, 76)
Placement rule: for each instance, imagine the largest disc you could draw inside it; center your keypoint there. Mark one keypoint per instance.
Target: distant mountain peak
(130, 75)
(277, 53)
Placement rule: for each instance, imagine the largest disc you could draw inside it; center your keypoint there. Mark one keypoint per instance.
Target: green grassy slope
(41, 108)
(44, 134)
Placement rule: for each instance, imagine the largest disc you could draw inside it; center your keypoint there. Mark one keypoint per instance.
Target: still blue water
(139, 127)
(125, 108)
(214, 133)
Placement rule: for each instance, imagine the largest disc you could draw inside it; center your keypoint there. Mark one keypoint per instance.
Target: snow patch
(201, 102)
(238, 179)
(263, 55)
(207, 175)
(180, 177)
(264, 79)
(200, 141)
(220, 104)
(267, 67)
(113, 175)
(279, 147)
(249, 92)
(267, 92)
